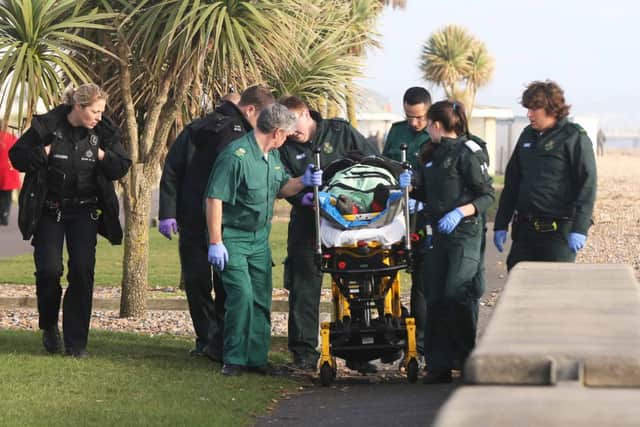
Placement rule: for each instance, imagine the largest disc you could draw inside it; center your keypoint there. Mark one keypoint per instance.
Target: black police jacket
(28, 156)
(189, 162)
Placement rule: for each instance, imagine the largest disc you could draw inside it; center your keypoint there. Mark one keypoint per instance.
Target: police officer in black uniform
(456, 188)
(550, 183)
(182, 187)
(336, 139)
(70, 155)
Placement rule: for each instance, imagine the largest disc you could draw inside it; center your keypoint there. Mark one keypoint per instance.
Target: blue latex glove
(499, 239)
(450, 221)
(576, 241)
(405, 178)
(218, 255)
(168, 226)
(412, 205)
(312, 177)
(307, 200)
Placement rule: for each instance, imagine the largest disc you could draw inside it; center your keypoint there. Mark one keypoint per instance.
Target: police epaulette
(473, 146)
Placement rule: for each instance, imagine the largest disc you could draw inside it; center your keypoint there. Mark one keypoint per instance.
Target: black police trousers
(79, 227)
(5, 206)
(200, 279)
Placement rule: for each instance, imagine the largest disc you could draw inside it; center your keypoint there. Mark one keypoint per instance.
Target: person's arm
(477, 179)
(214, 220)
(172, 174)
(509, 196)
(115, 160)
(583, 168)
(28, 153)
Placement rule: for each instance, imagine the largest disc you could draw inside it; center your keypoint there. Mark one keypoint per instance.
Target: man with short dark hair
(246, 179)
(182, 186)
(413, 132)
(550, 183)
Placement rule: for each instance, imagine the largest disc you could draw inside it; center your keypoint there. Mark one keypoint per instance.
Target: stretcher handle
(316, 203)
(405, 196)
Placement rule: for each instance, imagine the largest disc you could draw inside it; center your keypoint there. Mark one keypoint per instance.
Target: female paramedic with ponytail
(454, 184)
(70, 156)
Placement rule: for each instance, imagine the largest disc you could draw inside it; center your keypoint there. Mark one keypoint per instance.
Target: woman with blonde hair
(71, 156)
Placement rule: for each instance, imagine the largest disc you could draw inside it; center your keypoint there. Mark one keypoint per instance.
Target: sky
(590, 48)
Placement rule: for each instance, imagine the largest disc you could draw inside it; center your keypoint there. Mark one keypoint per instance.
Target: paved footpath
(360, 401)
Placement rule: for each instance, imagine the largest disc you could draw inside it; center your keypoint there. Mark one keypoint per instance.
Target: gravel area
(615, 238)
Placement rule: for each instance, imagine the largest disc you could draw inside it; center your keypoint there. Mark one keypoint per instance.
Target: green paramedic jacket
(552, 175)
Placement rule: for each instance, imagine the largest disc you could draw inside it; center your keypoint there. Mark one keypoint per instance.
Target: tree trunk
(350, 100)
(137, 206)
(332, 110)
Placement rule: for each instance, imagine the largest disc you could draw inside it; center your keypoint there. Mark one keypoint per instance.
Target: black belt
(74, 202)
(542, 223)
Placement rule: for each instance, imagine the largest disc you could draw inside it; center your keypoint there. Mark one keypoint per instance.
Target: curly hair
(84, 95)
(547, 95)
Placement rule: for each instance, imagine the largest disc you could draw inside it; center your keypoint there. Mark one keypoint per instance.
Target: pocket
(256, 192)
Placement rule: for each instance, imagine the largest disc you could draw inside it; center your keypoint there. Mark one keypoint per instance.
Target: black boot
(442, 377)
(51, 339)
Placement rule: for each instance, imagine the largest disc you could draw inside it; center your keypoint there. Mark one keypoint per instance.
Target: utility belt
(541, 223)
(74, 202)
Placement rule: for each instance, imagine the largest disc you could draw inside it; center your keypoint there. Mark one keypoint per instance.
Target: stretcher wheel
(327, 374)
(412, 371)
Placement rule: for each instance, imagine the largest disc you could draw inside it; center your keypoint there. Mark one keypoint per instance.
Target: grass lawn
(164, 265)
(128, 380)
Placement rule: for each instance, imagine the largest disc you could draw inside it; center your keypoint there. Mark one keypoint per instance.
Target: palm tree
(451, 57)
(40, 51)
(164, 48)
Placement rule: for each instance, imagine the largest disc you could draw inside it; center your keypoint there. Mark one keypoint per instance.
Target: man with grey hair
(246, 179)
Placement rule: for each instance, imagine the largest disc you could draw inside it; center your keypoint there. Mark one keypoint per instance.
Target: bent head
(276, 123)
(447, 118)
(253, 100)
(305, 128)
(87, 102)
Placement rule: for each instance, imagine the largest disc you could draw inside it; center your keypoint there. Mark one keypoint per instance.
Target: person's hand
(450, 221)
(218, 255)
(405, 179)
(499, 239)
(168, 226)
(47, 149)
(307, 200)
(412, 205)
(100, 154)
(576, 241)
(312, 177)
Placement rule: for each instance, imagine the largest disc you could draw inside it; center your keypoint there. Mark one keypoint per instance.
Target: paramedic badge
(93, 140)
(447, 162)
(548, 145)
(88, 154)
(327, 147)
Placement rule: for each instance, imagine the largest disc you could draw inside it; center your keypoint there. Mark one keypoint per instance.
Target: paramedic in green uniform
(246, 179)
(336, 139)
(549, 185)
(413, 132)
(454, 184)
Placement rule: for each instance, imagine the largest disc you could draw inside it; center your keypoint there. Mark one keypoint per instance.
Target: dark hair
(417, 95)
(258, 96)
(451, 115)
(294, 103)
(547, 95)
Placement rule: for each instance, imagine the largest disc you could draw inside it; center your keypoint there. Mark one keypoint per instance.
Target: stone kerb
(557, 321)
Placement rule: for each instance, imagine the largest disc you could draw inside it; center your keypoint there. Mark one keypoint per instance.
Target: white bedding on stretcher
(388, 234)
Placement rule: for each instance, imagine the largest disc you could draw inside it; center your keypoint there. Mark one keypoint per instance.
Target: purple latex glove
(218, 255)
(312, 177)
(307, 200)
(167, 226)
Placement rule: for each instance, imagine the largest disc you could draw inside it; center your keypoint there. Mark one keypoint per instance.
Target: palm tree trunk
(351, 105)
(332, 110)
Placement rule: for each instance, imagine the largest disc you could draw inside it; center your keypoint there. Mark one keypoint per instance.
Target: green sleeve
(477, 179)
(389, 146)
(225, 177)
(583, 167)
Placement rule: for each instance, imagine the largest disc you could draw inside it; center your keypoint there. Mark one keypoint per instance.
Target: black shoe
(78, 353)
(362, 367)
(442, 377)
(230, 370)
(268, 370)
(303, 364)
(51, 339)
(213, 353)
